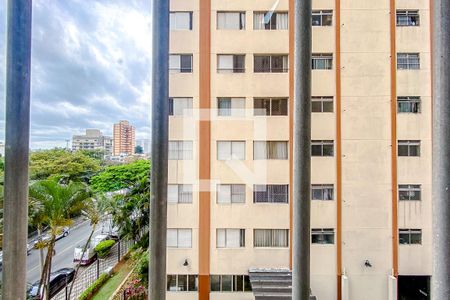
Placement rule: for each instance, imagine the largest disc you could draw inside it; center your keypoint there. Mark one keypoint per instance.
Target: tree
(58, 163)
(57, 203)
(114, 178)
(138, 150)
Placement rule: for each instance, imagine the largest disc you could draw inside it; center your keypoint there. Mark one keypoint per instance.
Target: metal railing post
(440, 286)
(160, 136)
(302, 151)
(17, 132)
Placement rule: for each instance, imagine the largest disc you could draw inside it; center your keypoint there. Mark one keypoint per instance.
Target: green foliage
(60, 163)
(102, 249)
(118, 177)
(97, 154)
(142, 268)
(90, 291)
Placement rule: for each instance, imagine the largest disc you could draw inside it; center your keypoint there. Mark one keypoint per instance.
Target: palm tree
(57, 203)
(93, 211)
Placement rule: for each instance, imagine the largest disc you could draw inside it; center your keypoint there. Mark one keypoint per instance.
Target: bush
(93, 288)
(142, 268)
(102, 249)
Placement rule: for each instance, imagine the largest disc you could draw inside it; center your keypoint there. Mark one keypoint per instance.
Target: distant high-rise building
(92, 140)
(2, 149)
(124, 138)
(145, 144)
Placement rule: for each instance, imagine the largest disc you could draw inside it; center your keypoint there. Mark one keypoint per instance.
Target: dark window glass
(193, 282)
(182, 283)
(262, 63)
(328, 150)
(226, 283)
(238, 63)
(215, 283)
(328, 106)
(186, 63)
(224, 105)
(279, 107)
(238, 283)
(247, 284)
(402, 150)
(170, 106)
(261, 107)
(171, 282)
(316, 106)
(322, 236)
(316, 150)
(277, 64)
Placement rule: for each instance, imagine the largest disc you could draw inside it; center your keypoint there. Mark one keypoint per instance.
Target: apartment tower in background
(123, 139)
(92, 140)
(230, 146)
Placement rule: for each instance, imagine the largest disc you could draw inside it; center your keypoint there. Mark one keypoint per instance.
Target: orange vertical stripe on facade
(394, 138)
(204, 148)
(338, 151)
(291, 122)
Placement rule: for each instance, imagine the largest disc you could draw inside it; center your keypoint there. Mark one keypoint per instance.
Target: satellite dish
(269, 14)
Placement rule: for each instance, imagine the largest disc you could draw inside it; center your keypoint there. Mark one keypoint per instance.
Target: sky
(90, 68)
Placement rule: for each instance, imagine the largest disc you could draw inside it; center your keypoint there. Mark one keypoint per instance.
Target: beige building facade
(124, 138)
(93, 139)
(230, 162)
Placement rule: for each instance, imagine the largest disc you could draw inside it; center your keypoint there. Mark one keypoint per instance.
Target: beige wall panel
(323, 4)
(184, 84)
(323, 215)
(323, 126)
(182, 295)
(183, 215)
(268, 41)
(231, 296)
(323, 170)
(184, 41)
(366, 6)
(257, 5)
(324, 286)
(177, 256)
(183, 128)
(323, 39)
(415, 82)
(413, 4)
(182, 171)
(183, 5)
(322, 82)
(416, 259)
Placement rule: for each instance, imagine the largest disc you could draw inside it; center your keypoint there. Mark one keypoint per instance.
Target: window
(322, 17)
(230, 193)
(273, 238)
(231, 107)
(180, 106)
(182, 283)
(231, 63)
(322, 236)
(270, 63)
(179, 193)
(181, 20)
(270, 150)
(322, 192)
(408, 18)
(408, 61)
(322, 148)
(179, 238)
(231, 20)
(180, 150)
(409, 192)
(410, 236)
(230, 283)
(180, 63)
(272, 193)
(408, 148)
(270, 106)
(230, 238)
(322, 61)
(321, 104)
(409, 104)
(270, 21)
(230, 150)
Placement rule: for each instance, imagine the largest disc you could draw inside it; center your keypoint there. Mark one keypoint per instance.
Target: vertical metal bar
(302, 150)
(160, 136)
(441, 150)
(17, 132)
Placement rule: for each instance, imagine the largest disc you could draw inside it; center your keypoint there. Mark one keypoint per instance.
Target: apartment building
(92, 140)
(124, 138)
(230, 162)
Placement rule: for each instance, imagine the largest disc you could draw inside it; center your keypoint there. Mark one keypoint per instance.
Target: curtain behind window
(258, 21)
(282, 21)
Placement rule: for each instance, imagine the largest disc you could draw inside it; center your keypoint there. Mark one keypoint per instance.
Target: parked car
(64, 232)
(58, 280)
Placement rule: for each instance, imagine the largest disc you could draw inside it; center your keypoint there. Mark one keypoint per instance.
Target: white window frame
(322, 144)
(177, 109)
(239, 26)
(407, 192)
(409, 144)
(183, 192)
(178, 240)
(177, 285)
(234, 285)
(322, 188)
(413, 103)
(270, 239)
(263, 112)
(404, 18)
(177, 68)
(264, 20)
(181, 150)
(175, 15)
(236, 109)
(322, 100)
(270, 150)
(322, 233)
(234, 148)
(231, 193)
(322, 14)
(408, 61)
(271, 194)
(228, 234)
(285, 59)
(409, 233)
(233, 62)
(322, 61)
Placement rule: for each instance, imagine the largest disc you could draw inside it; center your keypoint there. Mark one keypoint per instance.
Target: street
(64, 251)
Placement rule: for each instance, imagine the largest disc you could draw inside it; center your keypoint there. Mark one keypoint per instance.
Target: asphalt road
(64, 251)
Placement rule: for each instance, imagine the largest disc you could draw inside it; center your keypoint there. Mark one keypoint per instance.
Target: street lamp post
(17, 132)
(440, 288)
(160, 129)
(302, 150)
